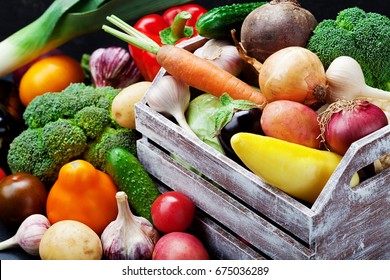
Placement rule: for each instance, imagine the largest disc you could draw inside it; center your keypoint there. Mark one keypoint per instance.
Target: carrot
(187, 67)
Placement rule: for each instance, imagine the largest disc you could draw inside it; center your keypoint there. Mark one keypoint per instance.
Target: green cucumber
(219, 21)
(130, 176)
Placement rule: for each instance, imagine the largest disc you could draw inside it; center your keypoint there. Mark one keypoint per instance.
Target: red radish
(179, 246)
(291, 121)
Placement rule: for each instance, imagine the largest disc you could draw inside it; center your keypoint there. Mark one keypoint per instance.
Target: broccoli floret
(28, 154)
(49, 107)
(111, 137)
(363, 36)
(72, 124)
(43, 109)
(92, 120)
(63, 140)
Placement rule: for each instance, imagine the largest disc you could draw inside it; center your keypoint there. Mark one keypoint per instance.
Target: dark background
(15, 14)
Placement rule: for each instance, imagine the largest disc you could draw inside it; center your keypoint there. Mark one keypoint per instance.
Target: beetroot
(276, 25)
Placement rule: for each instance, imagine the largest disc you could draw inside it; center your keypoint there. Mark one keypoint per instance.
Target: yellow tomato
(50, 74)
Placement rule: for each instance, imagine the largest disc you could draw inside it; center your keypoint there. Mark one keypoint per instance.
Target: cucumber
(219, 21)
(130, 176)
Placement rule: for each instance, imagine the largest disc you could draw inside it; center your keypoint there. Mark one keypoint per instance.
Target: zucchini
(219, 21)
(130, 176)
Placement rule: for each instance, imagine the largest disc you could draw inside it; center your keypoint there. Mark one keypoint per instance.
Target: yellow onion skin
(293, 73)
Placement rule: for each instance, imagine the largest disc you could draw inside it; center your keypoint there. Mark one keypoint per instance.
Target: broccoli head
(92, 120)
(111, 137)
(73, 124)
(63, 140)
(44, 109)
(27, 153)
(365, 36)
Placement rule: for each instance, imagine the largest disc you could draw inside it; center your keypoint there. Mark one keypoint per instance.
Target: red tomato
(21, 195)
(172, 211)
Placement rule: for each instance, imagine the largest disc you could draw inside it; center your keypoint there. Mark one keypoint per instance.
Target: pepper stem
(178, 29)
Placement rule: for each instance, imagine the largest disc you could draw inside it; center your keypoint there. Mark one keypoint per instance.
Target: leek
(65, 20)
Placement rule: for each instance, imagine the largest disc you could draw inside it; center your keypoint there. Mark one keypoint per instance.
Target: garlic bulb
(345, 80)
(113, 66)
(28, 235)
(223, 54)
(129, 237)
(170, 96)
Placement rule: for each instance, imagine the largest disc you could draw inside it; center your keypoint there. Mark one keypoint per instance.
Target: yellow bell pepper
(300, 171)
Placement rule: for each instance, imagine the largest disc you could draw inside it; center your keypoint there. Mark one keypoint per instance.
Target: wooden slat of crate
(275, 243)
(221, 244)
(354, 223)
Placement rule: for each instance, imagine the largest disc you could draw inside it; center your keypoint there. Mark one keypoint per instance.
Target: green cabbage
(201, 117)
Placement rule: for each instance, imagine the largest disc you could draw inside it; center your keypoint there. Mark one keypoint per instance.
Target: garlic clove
(28, 235)
(170, 96)
(129, 237)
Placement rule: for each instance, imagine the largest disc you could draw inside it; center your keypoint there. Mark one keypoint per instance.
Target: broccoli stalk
(360, 35)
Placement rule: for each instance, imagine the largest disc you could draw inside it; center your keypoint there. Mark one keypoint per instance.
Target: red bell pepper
(173, 26)
(2, 173)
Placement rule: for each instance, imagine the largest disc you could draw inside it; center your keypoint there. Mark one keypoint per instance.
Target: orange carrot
(204, 75)
(187, 67)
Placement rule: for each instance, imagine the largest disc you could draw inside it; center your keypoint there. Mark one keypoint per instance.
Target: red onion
(346, 121)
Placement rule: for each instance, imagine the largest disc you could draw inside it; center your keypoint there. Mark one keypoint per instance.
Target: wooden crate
(343, 223)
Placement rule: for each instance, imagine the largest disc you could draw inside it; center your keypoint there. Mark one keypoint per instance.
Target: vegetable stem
(181, 120)
(178, 29)
(9, 243)
(131, 35)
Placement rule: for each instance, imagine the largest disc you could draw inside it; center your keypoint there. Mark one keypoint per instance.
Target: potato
(70, 240)
(122, 107)
(291, 121)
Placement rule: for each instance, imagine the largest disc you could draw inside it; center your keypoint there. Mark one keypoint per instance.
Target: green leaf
(228, 107)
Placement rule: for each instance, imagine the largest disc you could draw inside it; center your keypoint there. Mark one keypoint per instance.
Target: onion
(295, 74)
(223, 54)
(346, 121)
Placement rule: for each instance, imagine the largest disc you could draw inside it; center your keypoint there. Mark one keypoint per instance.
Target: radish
(179, 246)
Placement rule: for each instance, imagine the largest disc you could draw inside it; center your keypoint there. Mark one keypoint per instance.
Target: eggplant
(242, 121)
(11, 121)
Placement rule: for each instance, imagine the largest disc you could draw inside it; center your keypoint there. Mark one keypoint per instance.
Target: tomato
(50, 74)
(172, 211)
(21, 195)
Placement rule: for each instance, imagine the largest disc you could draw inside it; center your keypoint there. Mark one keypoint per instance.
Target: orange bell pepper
(83, 193)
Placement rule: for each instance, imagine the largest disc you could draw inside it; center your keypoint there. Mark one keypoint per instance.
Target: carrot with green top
(195, 71)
